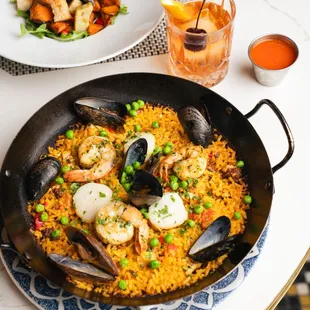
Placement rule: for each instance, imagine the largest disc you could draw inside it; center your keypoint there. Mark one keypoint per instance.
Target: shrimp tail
(141, 238)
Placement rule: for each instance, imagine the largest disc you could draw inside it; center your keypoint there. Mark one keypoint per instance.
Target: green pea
(70, 134)
(168, 238)
(136, 165)
(137, 128)
(129, 170)
(55, 234)
(208, 205)
(174, 185)
(154, 264)
(135, 106)
(128, 107)
(124, 178)
(167, 150)
(198, 209)
(133, 113)
(146, 215)
(123, 262)
(174, 178)
(64, 220)
(103, 133)
(39, 208)
(157, 150)
(183, 184)
(154, 242)
(122, 284)
(141, 103)
(155, 124)
(247, 199)
(240, 164)
(65, 169)
(59, 180)
(169, 144)
(44, 217)
(127, 186)
(237, 215)
(191, 223)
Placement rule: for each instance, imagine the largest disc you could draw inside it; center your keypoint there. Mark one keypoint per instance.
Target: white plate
(128, 30)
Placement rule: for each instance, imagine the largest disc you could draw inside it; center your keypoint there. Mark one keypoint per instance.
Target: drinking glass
(201, 57)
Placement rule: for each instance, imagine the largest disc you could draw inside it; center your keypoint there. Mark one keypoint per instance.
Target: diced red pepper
(172, 247)
(211, 155)
(37, 222)
(109, 128)
(99, 21)
(161, 239)
(65, 32)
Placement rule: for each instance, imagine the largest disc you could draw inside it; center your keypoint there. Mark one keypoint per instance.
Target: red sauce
(273, 54)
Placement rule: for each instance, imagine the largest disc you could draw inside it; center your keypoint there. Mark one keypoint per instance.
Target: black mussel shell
(216, 250)
(41, 176)
(152, 164)
(216, 232)
(145, 189)
(195, 39)
(195, 125)
(100, 111)
(91, 250)
(81, 271)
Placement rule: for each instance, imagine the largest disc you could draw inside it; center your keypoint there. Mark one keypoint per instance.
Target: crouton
(110, 10)
(40, 13)
(74, 4)
(24, 5)
(97, 6)
(94, 28)
(82, 16)
(60, 9)
(58, 27)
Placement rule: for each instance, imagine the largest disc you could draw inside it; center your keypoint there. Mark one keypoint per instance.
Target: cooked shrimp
(116, 224)
(96, 153)
(188, 163)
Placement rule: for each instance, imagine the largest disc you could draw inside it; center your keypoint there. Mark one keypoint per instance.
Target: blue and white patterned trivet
(47, 296)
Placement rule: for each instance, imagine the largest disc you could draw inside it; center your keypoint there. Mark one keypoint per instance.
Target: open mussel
(213, 243)
(80, 271)
(145, 189)
(152, 164)
(100, 111)
(196, 126)
(91, 250)
(41, 176)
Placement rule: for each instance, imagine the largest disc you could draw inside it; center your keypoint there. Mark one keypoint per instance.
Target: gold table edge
(290, 281)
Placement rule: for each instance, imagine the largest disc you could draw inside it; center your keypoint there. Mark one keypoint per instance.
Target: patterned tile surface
(154, 44)
(298, 296)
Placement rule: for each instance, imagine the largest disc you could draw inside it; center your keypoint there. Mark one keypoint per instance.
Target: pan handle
(289, 135)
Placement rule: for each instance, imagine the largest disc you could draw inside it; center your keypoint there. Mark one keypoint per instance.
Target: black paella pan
(54, 118)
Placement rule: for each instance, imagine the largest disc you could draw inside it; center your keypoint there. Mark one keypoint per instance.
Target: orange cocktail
(199, 37)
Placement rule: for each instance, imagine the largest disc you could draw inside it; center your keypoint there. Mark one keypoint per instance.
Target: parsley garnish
(102, 195)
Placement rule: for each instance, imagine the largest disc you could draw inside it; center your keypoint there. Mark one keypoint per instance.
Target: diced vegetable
(24, 5)
(40, 13)
(94, 28)
(111, 10)
(96, 6)
(82, 15)
(58, 27)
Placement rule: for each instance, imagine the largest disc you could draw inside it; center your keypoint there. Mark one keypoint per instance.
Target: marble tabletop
(289, 232)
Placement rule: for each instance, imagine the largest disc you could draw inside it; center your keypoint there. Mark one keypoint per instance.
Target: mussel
(145, 189)
(152, 164)
(195, 125)
(135, 153)
(41, 176)
(80, 271)
(100, 111)
(214, 243)
(91, 250)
